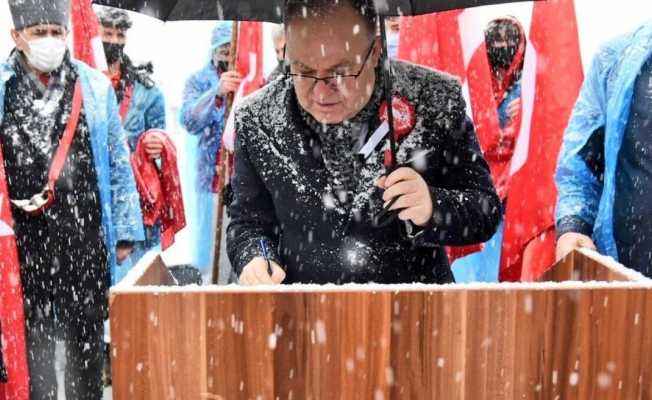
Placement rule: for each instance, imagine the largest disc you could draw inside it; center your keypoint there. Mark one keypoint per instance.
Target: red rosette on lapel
(405, 118)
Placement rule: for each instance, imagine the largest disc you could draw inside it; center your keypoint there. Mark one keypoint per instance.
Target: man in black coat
(60, 130)
(304, 187)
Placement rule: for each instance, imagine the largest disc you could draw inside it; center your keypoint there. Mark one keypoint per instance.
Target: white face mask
(46, 54)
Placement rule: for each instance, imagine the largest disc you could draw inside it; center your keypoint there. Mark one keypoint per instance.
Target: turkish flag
(87, 42)
(12, 320)
(551, 77)
(532, 196)
(434, 41)
(249, 63)
(249, 60)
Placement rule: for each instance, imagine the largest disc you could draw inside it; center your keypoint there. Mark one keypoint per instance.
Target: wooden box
(584, 339)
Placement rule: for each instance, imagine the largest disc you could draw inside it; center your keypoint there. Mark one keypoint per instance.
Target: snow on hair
(321, 8)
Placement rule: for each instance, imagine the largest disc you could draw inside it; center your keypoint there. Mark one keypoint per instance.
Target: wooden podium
(586, 339)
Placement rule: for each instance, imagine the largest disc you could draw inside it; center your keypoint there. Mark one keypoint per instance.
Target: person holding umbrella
(318, 198)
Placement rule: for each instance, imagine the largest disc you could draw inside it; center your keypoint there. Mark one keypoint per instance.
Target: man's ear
(14, 35)
(20, 42)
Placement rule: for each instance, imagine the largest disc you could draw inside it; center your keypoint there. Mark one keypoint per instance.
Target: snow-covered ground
(61, 395)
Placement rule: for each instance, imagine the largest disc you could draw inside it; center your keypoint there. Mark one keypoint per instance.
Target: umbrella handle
(387, 82)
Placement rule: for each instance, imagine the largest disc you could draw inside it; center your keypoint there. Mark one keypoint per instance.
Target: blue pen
(263, 249)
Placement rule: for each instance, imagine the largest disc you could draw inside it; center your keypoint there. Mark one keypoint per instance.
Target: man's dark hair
(319, 8)
(495, 29)
(114, 18)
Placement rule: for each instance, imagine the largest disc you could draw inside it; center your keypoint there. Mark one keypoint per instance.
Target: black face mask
(501, 57)
(223, 66)
(113, 52)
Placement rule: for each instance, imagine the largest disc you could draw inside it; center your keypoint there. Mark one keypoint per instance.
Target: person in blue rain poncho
(65, 246)
(203, 115)
(141, 105)
(604, 171)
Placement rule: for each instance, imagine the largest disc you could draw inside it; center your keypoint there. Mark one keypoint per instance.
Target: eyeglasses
(336, 79)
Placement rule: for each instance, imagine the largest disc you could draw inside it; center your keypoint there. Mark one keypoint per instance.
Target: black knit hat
(114, 18)
(27, 13)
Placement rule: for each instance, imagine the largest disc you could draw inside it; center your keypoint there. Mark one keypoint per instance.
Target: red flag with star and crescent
(551, 79)
(87, 43)
(12, 320)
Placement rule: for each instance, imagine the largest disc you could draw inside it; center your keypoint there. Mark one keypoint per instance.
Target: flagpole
(223, 169)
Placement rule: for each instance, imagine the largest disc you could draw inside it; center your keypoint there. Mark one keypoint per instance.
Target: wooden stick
(223, 170)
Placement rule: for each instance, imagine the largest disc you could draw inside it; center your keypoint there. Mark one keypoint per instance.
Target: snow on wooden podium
(551, 340)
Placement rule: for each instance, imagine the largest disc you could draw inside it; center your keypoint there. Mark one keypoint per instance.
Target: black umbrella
(272, 10)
